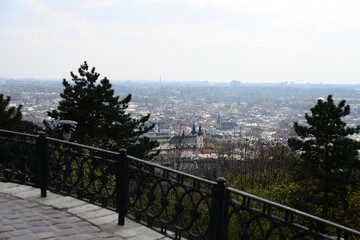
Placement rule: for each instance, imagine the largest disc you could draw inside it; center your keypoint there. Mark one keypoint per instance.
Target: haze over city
(183, 40)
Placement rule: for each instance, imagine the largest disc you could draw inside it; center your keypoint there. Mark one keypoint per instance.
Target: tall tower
(200, 131)
(218, 122)
(193, 131)
(200, 138)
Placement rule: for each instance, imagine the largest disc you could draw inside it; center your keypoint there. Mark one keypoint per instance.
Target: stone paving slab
(95, 213)
(27, 194)
(15, 189)
(83, 209)
(25, 215)
(63, 202)
(7, 185)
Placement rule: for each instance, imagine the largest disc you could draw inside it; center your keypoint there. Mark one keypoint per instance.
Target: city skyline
(182, 40)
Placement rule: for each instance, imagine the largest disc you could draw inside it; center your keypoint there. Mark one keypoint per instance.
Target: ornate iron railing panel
(166, 199)
(251, 217)
(18, 157)
(84, 172)
(177, 204)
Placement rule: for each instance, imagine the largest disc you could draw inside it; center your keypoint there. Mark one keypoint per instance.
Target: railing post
(218, 224)
(122, 186)
(43, 162)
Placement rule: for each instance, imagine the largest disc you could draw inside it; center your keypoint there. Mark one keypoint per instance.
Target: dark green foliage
(102, 120)
(11, 118)
(328, 166)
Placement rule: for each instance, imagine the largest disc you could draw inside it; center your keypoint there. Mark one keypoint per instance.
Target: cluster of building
(182, 122)
(35, 105)
(221, 121)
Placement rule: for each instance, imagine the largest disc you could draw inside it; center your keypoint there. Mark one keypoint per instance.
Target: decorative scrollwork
(169, 203)
(166, 200)
(83, 172)
(256, 218)
(18, 161)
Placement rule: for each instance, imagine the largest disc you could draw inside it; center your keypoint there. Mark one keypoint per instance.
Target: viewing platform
(112, 195)
(25, 215)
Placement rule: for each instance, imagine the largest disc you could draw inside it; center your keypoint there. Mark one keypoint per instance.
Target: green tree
(328, 163)
(11, 117)
(102, 120)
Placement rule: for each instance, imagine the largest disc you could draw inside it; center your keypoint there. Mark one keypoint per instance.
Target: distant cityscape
(225, 111)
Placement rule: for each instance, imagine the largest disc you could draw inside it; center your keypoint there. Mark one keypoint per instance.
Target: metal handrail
(171, 170)
(172, 202)
(293, 210)
(18, 133)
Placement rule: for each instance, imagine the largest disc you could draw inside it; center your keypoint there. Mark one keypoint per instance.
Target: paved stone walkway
(26, 216)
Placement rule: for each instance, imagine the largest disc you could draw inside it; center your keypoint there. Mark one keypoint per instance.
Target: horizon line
(237, 82)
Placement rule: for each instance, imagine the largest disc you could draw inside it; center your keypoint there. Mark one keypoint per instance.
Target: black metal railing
(177, 204)
(170, 200)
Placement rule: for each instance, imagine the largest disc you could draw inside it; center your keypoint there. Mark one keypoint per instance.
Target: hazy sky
(201, 40)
